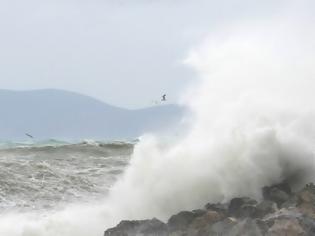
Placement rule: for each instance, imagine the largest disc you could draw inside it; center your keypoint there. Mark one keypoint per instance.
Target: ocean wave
(54, 143)
(47, 174)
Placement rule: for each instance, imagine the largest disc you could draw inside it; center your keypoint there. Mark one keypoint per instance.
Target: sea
(47, 175)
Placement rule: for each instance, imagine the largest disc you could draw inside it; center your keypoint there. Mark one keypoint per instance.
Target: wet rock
(154, 227)
(218, 207)
(200, 225)
(139, 227)
(246, 227)
(291, 202)
(262, 226)
(223, 227)
(264, 208)
(209, 218)
(279, 193)
(307, 195)
(242, 207)
(306, 200)
(290, 222)
(199, 212)
(281, 213)
(286, 227)
(183, 219)
(308, 224)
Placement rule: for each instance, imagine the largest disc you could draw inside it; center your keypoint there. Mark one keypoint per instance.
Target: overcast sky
(126, 53)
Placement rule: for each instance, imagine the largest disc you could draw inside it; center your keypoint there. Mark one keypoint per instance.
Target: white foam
(253, 126)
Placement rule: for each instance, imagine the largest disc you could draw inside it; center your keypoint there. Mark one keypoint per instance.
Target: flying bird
(28, 135)
(163, 98)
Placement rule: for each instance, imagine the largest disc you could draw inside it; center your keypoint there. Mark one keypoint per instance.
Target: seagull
(163, 98)
(28, 135)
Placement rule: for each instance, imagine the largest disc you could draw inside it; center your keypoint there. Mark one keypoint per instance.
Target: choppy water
(46, 175)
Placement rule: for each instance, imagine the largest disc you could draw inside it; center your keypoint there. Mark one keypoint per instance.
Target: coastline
(281, 212)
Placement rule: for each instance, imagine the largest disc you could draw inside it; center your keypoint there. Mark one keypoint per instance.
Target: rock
(183, 219)
(308, 225)
(222, 227)
(154, 227)
(209, 218)
(218, 207)
(123, 228)
(306, 200)
(282, 213)
(241, 207)
(307, 195)
(262, 226)
(246, 227)
(289, 222)
(241, 217)
(248, 208)
(199, 212)
(291, 202)
(200, 225)
(139, 227)
(264, 208)
(250, 211)
(278, 193)
(286, 227)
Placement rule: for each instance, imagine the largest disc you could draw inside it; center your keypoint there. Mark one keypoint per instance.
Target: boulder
(138, 227)
(291, 202)
(154, 227)
(279, 193)
(306, 200)
(265, 207)
(281, 213)
(222, 227)
(307, 195)
(209, 218)
(246, 227)
(218, 207)
(290, 222)
(286, 227)
(308, 224)
(200, 225)
(183, 219)
(242, 207)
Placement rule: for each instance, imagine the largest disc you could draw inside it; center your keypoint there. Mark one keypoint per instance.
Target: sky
(125, 53)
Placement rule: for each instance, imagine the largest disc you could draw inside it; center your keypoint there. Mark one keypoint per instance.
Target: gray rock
(246, 227)
(183, 219)
(218, 207)
(306, 200)
(201, 224)
(279, 193)
(241, 207)
(291, 202)
(307, 195)
(152, 227)
(248, 218)
(262, 226)
(265, 207)
(223, 227)
(286, 227)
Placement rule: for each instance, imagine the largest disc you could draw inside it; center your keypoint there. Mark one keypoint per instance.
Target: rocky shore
(281, 212)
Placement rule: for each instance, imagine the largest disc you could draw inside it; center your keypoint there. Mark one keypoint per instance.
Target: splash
(252, 126)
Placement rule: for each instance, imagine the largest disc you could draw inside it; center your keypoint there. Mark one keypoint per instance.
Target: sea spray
(252, 126)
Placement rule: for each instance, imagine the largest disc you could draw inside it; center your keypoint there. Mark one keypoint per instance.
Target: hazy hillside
(60, 114)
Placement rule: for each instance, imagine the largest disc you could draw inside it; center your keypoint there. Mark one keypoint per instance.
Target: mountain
(52, 113)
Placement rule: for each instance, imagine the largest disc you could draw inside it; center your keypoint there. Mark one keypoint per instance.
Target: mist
(252, 106)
